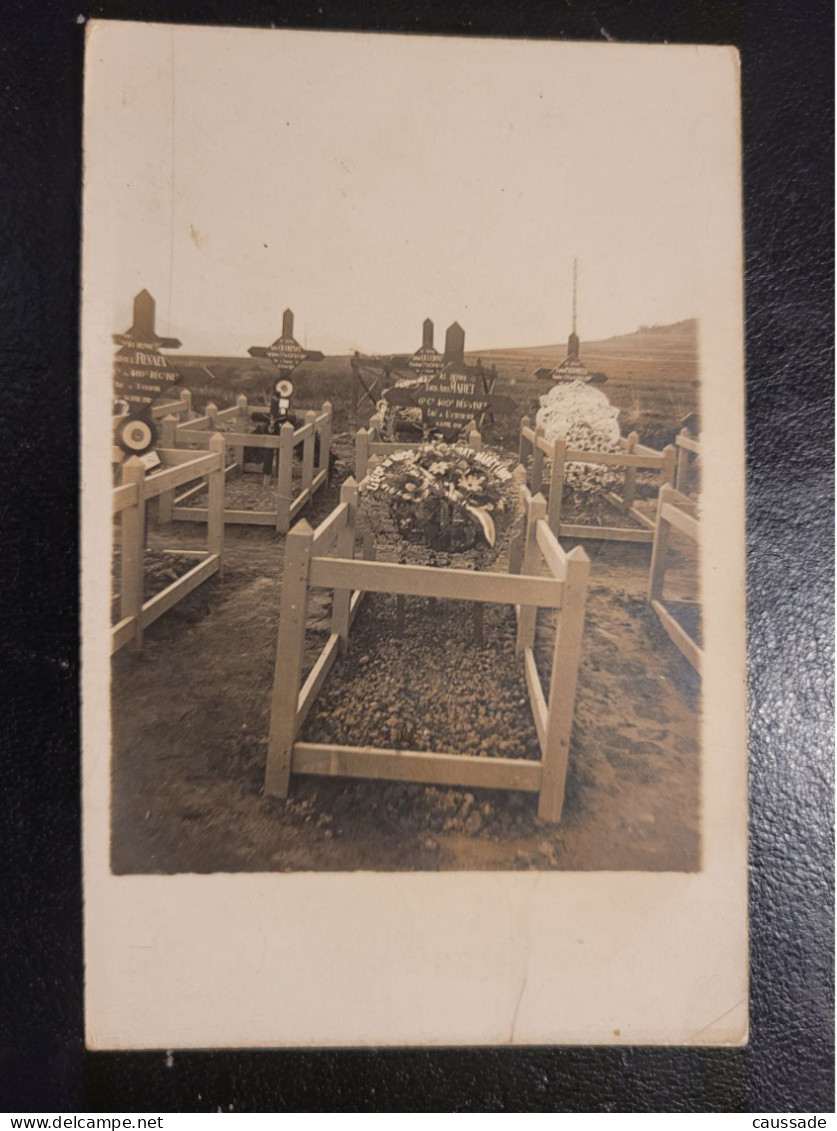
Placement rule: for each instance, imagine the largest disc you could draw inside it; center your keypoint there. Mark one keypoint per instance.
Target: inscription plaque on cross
(140, 372)
(451, 400)
(286, 353)
(426, 362)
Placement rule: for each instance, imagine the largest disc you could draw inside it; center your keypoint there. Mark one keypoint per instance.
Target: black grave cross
(140, 372)
(450, 401)
(426, 361)
(286, 353)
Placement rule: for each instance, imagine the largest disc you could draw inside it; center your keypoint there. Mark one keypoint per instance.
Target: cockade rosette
(443, 497)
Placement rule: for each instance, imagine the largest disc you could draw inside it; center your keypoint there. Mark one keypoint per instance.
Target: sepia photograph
(413, 593)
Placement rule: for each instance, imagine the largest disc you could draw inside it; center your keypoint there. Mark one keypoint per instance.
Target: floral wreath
(446, 496)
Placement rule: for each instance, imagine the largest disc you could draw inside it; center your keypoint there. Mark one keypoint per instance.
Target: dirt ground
(160, 568)
(190, 722)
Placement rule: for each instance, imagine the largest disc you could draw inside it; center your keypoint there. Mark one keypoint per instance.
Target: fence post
(361, 453)
(474, 436)
(345, 549)
(325, 441)
(669, 465)
(556, 486)
(526, 620)
(524, 423)
(517, 548)
(132, 549)
(288, 672)
(682, 476)
(285, 478)
(215, 504)
(537, 461)
(629, 488)
(308, 451)
(376, 425)
(168, 433)
(242, 425)
(211, 415)
(566, 656)
(659, 550)
(186, 395)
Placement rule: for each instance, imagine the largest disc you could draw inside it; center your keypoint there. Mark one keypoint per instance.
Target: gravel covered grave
(425, 689)
(250, 492)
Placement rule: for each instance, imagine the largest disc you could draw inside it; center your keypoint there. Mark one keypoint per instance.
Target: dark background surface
(788, 161)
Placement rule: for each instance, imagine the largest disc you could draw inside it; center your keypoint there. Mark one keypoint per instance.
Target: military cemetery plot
(417, 586)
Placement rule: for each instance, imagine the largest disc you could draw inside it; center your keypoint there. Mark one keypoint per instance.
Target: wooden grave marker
(140, 372)
(426, 361)
(450, 401)
(286, 353)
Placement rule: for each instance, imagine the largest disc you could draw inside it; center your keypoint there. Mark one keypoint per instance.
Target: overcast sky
(369, 182)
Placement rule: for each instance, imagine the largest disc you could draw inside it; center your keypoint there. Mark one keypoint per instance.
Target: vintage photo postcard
(413, 541)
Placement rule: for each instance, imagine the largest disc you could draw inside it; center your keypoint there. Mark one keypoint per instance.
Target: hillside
(675, 347)
(652, 375)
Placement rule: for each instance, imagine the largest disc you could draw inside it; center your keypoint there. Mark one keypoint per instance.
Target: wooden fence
(674, 509)
(291, 495)
(688, 454)
(130, 500)
(307, 567)
(369, 443)
(535, 450)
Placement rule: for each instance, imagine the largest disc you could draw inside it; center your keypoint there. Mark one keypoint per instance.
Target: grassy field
(652, 377)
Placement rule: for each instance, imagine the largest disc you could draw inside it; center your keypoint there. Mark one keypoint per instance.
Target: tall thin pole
(575, 295)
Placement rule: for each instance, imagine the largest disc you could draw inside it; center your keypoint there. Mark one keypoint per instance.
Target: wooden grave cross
(450, 401)
(365, 387)
(286, 353)
(140, 372)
